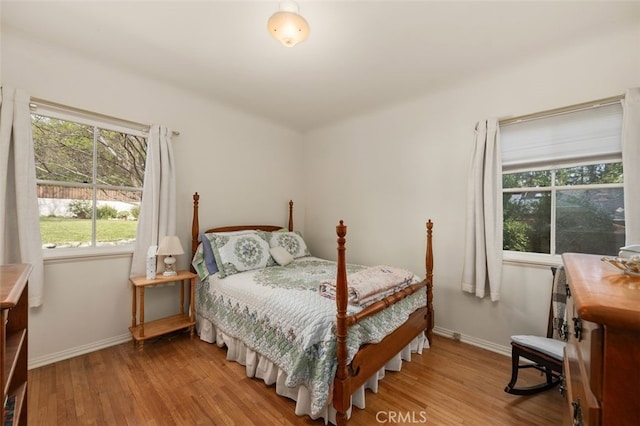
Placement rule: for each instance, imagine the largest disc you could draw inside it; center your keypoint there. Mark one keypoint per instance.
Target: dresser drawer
(583, 407)
(587, 339)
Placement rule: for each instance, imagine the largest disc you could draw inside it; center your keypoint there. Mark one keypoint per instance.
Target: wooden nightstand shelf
(142, 330)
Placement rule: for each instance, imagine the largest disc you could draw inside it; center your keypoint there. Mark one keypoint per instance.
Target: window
(90, 175)
(563, 183)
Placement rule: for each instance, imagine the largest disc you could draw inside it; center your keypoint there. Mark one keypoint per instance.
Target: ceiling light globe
(288, 27)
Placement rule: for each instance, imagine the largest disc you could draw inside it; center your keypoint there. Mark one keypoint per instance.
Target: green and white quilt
(278, 312)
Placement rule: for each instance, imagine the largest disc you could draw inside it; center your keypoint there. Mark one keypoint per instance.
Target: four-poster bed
(409, 311)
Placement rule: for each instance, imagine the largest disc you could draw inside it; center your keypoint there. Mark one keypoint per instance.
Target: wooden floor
(179, 381)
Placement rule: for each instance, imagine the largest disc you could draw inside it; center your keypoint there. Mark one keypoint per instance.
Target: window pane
(63, 150)
(117, 217)
(82, 202)
(527, 179)
(527, 217)
(590, 175)
(65, 216)
(590, 221)
(121, 159)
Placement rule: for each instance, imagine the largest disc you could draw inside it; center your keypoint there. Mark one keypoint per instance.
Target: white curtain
(630, 163)
(19, 217)
(158, 209)
(483, 242)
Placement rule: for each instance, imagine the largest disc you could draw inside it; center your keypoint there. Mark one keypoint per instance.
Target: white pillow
(291, 241)
(281, 255)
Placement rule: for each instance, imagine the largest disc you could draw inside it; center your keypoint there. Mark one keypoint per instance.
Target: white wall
(245, 169)
(387, 172)
(384, 173)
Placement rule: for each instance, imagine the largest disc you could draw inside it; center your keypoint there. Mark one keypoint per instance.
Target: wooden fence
(75, 193)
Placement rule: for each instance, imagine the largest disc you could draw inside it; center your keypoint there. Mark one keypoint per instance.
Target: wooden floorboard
(183, 381)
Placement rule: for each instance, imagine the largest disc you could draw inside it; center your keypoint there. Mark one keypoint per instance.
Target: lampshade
(170, 245)
(287, 25)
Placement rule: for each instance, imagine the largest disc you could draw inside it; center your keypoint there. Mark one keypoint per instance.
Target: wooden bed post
(429, 278)
(195, 227)
(342, 395)
(290, 215)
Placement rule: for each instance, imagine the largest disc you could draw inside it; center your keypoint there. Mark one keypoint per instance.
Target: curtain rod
(35, 102)
(562, 110)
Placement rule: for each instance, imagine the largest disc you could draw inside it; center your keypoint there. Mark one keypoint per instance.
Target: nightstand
(142, 331)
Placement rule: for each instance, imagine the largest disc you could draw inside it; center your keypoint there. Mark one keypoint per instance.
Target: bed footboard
(371, 358)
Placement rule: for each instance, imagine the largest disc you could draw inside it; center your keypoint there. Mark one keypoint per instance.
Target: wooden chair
(543, 353)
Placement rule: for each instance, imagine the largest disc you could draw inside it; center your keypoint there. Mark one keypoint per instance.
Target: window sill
(72, 254)
(530, 259)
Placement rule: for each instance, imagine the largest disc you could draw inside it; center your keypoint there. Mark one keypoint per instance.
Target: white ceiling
(360, 55)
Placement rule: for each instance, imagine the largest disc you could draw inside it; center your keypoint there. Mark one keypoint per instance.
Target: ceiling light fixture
(287, 25)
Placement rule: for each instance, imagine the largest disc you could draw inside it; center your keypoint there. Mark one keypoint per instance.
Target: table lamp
(170, 246)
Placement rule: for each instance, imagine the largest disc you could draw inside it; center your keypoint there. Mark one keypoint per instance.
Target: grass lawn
(59, 231)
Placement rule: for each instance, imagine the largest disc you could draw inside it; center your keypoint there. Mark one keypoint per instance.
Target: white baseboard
(77, 351)
(484, 344)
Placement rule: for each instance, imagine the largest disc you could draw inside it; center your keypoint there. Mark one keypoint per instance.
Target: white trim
(65, 112)
(86, 253)
(507, 121)
(563, 187)
(527, 258)
(77, 351)
(89, 119)
(561, 165)
(480, 343)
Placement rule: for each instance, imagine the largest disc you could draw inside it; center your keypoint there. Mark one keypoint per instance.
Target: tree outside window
(572, 209)
(90, 182)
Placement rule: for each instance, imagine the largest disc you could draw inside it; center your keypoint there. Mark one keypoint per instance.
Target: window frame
(553, 189)
(551, 259)
(98, 122)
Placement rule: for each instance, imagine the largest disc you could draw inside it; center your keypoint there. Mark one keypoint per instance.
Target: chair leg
(549, 375)
(551, 381)
(515, 367)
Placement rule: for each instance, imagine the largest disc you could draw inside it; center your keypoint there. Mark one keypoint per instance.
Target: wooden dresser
(14, 295)
(602, 356)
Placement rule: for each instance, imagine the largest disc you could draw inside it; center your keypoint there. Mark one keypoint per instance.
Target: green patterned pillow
(291, 241)
(198, 263)
(243, 252)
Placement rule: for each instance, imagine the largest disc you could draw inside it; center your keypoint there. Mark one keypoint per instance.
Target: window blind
(575, 136)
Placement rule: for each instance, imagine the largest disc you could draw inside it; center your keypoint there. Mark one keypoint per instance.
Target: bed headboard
(195, 225)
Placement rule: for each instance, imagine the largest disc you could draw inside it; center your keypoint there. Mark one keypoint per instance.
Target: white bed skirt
(259, 366)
